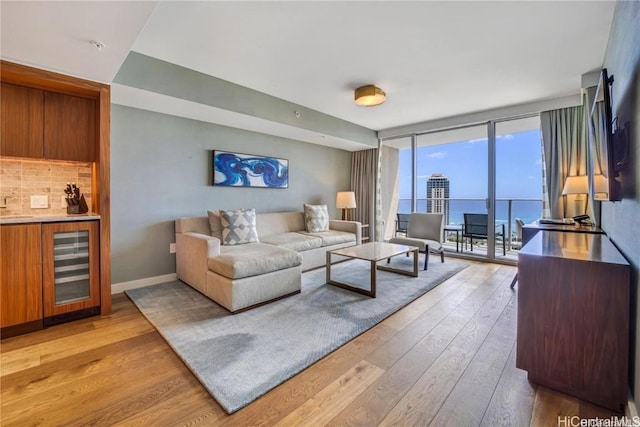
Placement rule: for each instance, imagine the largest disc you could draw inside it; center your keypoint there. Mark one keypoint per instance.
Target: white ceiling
(56, 35)
(434, 59)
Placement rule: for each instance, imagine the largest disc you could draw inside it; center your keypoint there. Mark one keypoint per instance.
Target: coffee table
(372, 252)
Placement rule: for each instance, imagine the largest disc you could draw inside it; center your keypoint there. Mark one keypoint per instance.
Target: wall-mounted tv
(604, 174)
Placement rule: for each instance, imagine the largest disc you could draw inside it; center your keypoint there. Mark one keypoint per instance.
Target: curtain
(564, 151)
(388, 191)
(378, 233)
(364, 165)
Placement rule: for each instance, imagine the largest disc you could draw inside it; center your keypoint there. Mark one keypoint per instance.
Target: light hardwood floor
(446, 359)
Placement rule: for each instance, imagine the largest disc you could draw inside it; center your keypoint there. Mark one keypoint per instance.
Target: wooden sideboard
(530, 230)
(573, 316)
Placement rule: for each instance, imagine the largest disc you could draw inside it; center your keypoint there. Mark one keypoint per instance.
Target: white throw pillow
(316, 218)
(238, 226)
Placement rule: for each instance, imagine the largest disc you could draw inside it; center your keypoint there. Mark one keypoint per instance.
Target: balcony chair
(401, 224)
(424, 231)
(476, 227)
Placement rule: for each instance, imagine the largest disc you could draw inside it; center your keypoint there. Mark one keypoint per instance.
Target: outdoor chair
(476, 227)
(402, 222)
(424, 231)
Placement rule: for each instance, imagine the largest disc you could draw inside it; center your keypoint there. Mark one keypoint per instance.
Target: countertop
(576, 246)
(26, 219)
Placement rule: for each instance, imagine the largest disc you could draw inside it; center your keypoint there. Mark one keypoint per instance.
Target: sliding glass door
(485, 179)
(451, 178)
(518, 189)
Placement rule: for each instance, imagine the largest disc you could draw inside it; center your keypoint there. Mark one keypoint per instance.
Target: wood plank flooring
(447, 359)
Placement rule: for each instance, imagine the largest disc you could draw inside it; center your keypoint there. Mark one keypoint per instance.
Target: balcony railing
(507, 210)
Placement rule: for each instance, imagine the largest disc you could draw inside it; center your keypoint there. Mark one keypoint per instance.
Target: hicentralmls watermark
(575, 421)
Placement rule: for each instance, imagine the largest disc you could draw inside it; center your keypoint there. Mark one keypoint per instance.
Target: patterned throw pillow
(238, 226)
(316, 218)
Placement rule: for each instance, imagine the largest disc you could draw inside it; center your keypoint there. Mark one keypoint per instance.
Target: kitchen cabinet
(20, 278)
(71, 283)
(38, 123)
(69, 127)
(573, 316)
(22, 121)
(74, 118)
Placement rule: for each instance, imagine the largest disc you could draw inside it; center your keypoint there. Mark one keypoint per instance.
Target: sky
(518, 170)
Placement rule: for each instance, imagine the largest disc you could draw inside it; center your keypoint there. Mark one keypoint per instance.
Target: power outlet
(172, 248)
(39, 202)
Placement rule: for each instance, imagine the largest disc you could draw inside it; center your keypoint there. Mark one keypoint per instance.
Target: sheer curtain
(564, 151)
(364, 165)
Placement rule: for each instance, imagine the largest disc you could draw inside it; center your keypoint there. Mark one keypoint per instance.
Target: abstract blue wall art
(246, 170)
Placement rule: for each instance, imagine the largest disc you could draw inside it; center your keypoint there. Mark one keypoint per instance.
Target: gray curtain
(565, 152)
(364, 165)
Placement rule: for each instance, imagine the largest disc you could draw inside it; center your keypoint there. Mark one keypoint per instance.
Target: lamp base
(344, 214)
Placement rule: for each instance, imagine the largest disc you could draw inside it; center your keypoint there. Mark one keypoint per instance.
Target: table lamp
(345, 200)
(578, 186)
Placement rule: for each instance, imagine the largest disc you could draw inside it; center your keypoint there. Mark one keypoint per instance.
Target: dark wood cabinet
(573, 316)
(22, 121)
(44, 124)
(530, 230)
(49, 273)
(70, 272)
(20, 278)
(69, 127)
(74, 124)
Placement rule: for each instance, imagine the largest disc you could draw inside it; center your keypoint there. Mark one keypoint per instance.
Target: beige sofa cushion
(295, 241)
(215, 224)
(269, 224)
(333, 237)
(236, 262)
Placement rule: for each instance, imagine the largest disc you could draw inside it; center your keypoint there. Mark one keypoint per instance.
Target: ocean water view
(527, 210)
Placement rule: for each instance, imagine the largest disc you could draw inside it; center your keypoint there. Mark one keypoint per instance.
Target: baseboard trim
(116, 288)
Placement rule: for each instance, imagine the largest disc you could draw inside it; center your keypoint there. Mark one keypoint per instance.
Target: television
(604, 169)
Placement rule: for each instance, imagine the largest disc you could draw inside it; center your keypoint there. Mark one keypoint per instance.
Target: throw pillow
(316, 218)
(238, 226)
(214, 224)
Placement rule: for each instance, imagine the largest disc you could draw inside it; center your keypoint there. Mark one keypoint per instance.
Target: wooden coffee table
(372, 252)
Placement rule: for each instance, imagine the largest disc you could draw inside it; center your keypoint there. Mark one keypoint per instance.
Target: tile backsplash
(22, 178)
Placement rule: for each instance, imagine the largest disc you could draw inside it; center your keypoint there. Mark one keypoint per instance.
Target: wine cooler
(71, 265)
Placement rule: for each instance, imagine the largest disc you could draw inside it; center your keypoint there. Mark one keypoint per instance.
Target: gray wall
(621, 219)
(161, 170)
(154, 75)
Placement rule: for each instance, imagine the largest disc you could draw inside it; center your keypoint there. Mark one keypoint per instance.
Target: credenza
(573, 316)
(530, 230)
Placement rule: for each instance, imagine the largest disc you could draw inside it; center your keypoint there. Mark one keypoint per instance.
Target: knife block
(79, 208)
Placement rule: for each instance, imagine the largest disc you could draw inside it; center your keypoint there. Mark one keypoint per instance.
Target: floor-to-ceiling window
(518, 171)
(489, 173)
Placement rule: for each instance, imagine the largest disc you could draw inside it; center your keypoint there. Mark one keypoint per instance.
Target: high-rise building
(438, 195)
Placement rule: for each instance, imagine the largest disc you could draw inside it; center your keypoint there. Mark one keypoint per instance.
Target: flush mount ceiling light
(369, 96)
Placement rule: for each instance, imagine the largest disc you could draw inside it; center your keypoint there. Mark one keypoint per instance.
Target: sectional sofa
(239, 277)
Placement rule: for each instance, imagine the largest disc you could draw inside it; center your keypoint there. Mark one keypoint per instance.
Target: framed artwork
(246, 170)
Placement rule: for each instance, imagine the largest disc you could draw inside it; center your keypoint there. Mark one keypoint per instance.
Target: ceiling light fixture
(369, 96)
(98, 45)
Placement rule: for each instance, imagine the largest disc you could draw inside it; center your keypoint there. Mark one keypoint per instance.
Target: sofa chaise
(242, 276)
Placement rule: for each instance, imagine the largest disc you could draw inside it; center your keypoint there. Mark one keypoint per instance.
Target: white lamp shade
(346, 200)
(601, 183)
(576, 185)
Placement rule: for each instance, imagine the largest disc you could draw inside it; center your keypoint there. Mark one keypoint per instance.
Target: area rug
(238, 358)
